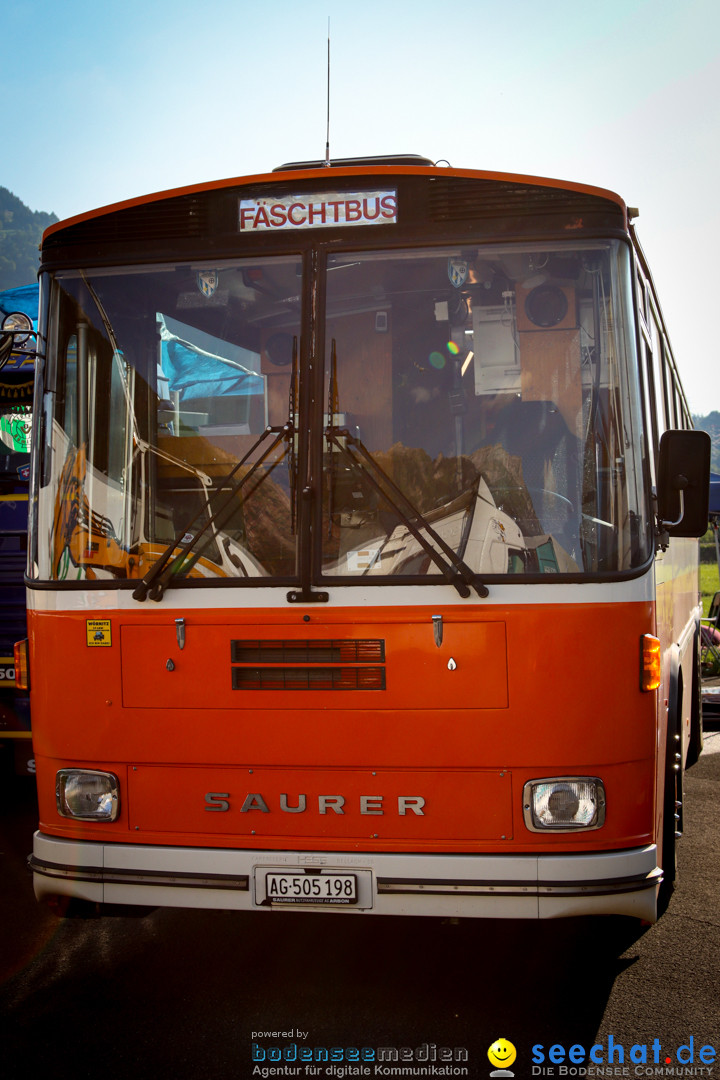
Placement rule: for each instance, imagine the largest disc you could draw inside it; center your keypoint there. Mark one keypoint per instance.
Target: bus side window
(658, 375)
(67, 407)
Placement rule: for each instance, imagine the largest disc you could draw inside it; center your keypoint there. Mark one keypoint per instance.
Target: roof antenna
(327, 133)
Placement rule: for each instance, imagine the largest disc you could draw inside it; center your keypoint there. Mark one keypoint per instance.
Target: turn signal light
(650, 673)
(22, 671)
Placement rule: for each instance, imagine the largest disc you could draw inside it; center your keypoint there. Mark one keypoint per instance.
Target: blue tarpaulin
(197, 373)
(24, 299)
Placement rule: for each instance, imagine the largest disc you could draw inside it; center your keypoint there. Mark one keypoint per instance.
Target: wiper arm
(160, 574)
(454, 569)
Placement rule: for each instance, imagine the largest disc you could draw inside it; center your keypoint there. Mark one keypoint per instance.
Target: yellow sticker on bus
(98, 632)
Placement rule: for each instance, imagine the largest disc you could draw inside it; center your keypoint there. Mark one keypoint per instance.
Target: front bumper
(464, 886)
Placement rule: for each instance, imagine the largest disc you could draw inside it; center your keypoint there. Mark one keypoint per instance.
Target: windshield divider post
(292, 452)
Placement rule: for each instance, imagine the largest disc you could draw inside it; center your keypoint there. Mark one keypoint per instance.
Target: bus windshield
(475, 409)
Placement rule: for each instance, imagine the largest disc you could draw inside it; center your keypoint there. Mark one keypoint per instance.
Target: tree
(21, 230)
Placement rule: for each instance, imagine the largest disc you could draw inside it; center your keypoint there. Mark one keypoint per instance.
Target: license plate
(301, 888)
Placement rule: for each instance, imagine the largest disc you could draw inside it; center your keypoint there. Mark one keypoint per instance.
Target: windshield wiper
(160, 575)
(454, 569)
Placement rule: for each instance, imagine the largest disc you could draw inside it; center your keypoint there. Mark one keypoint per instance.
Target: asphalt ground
(185, 994)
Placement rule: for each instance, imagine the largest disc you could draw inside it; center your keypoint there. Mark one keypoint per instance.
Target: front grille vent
(310, 678)
(337, 664)
(350, 651)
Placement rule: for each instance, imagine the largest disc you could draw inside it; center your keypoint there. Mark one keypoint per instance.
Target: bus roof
(399, 165)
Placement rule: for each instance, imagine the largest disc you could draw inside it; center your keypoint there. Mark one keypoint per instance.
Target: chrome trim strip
(148, 877)
(465, 888)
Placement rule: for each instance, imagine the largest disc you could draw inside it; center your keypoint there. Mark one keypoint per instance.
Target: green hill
(20, 232)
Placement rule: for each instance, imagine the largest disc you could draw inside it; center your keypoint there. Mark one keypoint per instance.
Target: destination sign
(318, 210)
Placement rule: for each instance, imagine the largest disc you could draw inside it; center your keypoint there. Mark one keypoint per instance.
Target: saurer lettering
(371, 805)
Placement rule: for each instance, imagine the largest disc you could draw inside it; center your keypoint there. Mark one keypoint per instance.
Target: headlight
(20, 326)
(87, 795)
(564, 803)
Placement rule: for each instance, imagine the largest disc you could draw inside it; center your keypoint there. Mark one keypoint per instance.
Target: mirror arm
(681, 482)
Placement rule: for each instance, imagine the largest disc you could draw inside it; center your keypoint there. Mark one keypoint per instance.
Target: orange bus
(361, 573)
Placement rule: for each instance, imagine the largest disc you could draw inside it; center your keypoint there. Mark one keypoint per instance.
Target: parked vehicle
(17, 373)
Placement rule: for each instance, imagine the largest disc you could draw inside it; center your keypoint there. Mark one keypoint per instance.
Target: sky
(105, 101)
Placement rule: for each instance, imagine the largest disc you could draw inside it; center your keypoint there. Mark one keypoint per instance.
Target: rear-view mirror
(684, 482)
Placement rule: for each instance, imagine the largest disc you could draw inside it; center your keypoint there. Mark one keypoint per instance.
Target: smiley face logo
(502, 1053)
